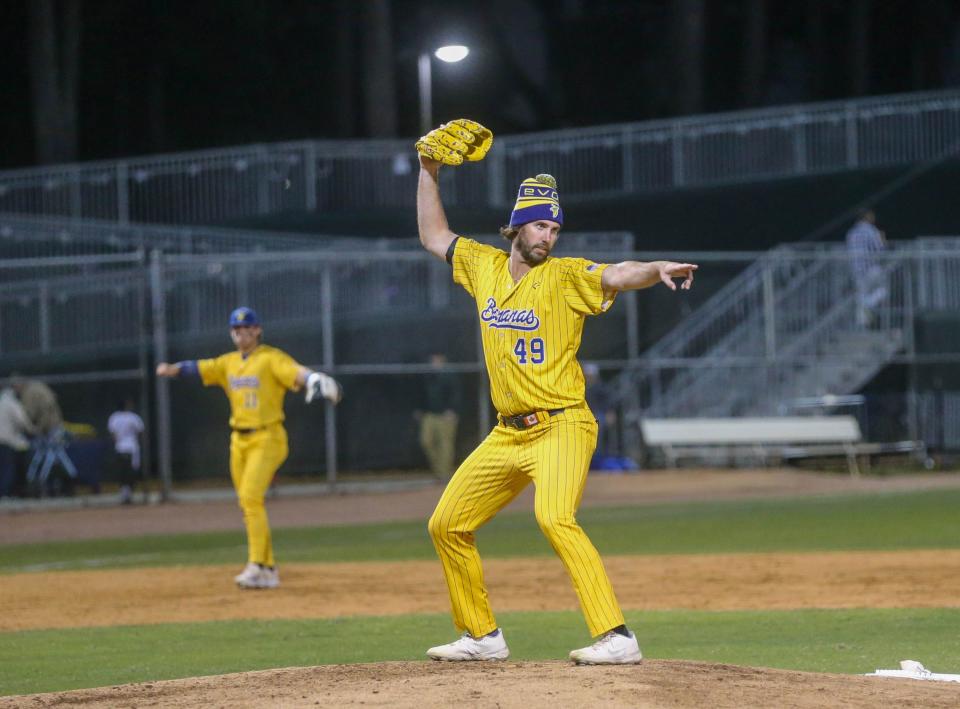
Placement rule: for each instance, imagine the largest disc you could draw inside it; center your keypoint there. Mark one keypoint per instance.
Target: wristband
(188, 368)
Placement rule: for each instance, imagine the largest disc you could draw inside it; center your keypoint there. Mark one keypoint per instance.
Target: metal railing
(43, 299)
(25, 237)
(231, 183)
(792, 325)
(938, 281)
(71, 303)
(782, 327)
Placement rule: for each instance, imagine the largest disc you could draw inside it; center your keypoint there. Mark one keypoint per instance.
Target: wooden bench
(775, 437)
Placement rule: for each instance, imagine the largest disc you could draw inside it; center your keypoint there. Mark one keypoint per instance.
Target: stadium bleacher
(738, 212)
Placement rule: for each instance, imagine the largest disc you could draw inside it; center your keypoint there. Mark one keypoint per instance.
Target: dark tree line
(117, 77)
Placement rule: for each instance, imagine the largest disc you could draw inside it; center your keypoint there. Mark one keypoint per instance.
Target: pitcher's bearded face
(536, 240)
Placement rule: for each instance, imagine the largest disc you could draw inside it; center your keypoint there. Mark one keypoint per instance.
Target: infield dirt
(708, 582)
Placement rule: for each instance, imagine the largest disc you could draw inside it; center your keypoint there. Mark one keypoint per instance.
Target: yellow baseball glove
(456, 141)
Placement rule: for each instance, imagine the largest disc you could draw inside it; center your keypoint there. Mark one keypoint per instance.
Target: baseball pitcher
(255, 377)
(531, 308)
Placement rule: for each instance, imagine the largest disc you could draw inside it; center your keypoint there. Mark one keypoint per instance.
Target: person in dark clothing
(598, 399)
(439, 418)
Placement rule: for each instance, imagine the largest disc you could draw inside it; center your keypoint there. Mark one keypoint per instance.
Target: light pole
(451, 54)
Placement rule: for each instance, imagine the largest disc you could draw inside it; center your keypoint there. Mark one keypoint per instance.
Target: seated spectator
(41, 406)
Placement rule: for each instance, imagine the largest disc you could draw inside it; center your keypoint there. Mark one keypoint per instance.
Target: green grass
(848, 641)
(818, 640)
(924, 520)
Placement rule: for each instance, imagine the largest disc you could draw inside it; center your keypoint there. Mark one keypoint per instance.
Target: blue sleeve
(188, 368)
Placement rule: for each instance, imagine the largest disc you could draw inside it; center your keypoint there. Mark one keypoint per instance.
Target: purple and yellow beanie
(537, 199)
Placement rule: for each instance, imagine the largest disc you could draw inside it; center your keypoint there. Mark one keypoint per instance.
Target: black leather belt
(522, 421)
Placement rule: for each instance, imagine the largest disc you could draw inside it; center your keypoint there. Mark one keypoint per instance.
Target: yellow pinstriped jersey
(255, 384)
(531, 329)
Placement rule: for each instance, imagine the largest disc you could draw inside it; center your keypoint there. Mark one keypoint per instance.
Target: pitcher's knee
(443, 532)
(554, 526)
(436, 528)
(250, 502)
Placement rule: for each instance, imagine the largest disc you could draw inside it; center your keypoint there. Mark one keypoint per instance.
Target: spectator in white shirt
(14, 423)
(126, 427)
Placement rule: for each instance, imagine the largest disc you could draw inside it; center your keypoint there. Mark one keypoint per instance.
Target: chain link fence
(95, 327)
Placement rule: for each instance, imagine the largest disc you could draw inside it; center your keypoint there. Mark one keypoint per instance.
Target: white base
(911, 669)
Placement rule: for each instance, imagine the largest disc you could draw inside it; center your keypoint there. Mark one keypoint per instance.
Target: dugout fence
(94, 327)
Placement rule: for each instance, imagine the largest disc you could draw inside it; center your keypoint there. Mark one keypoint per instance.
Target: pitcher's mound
(524, 685)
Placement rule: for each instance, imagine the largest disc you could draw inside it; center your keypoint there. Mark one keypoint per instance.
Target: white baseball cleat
(257, 576)
(467, 648)
(611, 649)
(249, 572)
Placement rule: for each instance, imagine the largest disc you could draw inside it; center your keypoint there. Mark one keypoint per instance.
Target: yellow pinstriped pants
(555, 455)
(254, 459)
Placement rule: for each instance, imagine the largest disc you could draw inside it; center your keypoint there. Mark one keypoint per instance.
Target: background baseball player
(532, 309)
(255, 378)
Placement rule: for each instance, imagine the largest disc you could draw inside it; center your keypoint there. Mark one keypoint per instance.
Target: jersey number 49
(536, 351)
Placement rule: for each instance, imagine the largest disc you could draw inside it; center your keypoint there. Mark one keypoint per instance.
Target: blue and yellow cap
(537, 199)
(242, 317)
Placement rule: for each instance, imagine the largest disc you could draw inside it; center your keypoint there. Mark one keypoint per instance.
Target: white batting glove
(320, 384)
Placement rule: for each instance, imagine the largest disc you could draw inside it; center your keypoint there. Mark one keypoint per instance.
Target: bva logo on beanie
(537, 199)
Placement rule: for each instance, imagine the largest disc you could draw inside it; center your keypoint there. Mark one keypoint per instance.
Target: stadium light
(451, 54)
